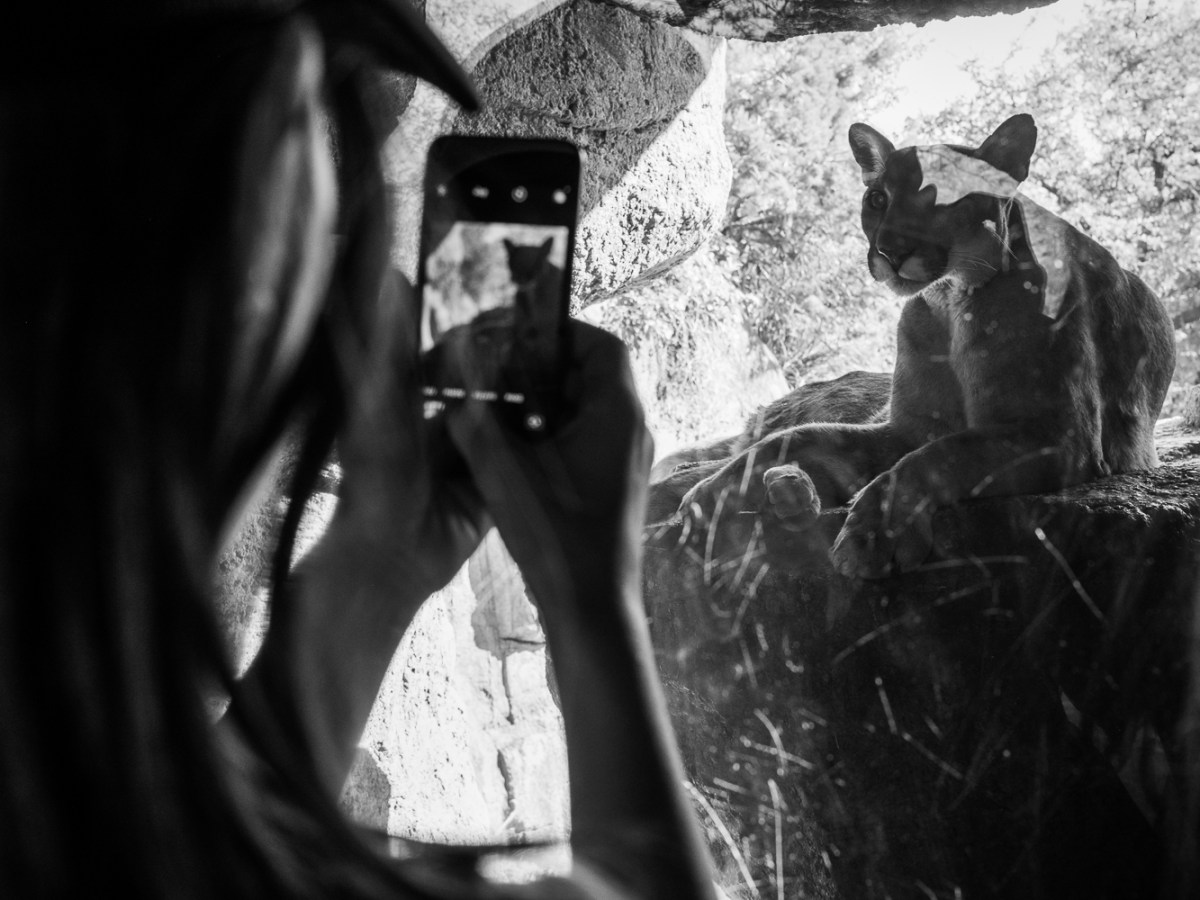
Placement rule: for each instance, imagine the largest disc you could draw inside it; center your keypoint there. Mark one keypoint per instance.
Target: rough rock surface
(465, 731)
(771, 20)
(1008, 713)
(644, 103)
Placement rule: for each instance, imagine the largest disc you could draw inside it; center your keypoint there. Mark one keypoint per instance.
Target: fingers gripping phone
(497, 239)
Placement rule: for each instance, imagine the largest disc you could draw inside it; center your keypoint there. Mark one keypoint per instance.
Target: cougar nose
(894, 245)
(891, 254)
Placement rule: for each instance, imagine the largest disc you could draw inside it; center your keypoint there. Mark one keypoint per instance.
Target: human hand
(570, 504)
(724, 516)
(407, 503)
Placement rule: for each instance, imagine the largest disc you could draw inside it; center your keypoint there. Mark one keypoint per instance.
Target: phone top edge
(465, 149)
(458, 163)
(529, 159)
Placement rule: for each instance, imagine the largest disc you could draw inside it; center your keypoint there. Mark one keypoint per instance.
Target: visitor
(194, 237)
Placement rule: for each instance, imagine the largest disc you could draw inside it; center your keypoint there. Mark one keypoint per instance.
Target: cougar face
(932, 212)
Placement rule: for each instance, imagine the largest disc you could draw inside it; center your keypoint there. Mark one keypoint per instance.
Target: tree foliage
(1117, 101)
(792, 239)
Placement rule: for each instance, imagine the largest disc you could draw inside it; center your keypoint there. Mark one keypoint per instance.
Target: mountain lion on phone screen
(1027, 360)
(537, 300)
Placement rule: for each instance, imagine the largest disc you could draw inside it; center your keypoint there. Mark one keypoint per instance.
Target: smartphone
(497, 238)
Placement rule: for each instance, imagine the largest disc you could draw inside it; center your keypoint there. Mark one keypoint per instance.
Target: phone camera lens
(560, 196)
(519, 193)
(535, 422)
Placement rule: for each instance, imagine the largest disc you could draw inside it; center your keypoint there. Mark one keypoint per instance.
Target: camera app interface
(494, 289)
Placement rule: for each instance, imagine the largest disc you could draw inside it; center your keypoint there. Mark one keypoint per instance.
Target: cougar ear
(1010, 146)
(871, 150)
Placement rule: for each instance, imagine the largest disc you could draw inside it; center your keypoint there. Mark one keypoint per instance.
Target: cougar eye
(876, 200)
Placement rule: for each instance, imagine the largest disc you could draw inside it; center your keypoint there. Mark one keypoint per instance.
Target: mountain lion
(1027, 360)
(537, 300)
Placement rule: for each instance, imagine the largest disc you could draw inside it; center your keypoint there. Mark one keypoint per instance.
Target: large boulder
(642, 101)
(1017, 717)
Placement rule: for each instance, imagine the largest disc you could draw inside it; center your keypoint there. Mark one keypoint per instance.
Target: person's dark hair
(137, 406)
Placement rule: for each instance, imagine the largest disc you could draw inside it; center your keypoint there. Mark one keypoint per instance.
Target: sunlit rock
(643, 102)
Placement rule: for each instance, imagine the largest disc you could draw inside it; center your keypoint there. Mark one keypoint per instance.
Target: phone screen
(482, 266)
(494, 280)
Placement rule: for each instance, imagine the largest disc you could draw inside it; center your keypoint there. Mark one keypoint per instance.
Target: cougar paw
(877, 540)
(915, 543)
(863, 549)
(791, 496)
